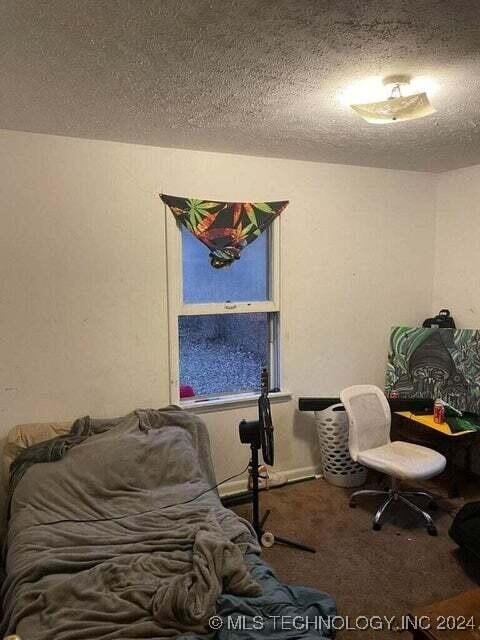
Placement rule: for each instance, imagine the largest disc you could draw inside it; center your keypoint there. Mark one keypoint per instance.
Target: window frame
(177, 307)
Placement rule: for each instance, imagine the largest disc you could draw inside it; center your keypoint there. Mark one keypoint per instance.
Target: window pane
(245, 280)
(222, 353)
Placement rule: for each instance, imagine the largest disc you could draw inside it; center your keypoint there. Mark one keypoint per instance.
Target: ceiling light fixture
(400, 104)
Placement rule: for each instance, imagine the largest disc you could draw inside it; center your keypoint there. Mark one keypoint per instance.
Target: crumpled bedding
(121, 538)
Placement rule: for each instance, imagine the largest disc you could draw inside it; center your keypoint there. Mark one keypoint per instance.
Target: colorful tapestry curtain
(226, 228)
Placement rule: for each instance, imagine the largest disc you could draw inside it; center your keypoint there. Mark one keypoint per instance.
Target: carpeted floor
(369, 573)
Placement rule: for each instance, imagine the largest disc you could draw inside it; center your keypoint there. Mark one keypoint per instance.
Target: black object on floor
(465, 529)
(259, 434)
(266, 538)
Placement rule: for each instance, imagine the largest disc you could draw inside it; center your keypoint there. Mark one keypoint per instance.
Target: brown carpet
(369, 573)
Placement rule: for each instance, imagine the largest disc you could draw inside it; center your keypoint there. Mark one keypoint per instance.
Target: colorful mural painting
(435, 363)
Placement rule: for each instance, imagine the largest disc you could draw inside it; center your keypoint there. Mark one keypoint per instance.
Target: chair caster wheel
(267, 540)
(432, 531)
(376, 526)
(352, 505)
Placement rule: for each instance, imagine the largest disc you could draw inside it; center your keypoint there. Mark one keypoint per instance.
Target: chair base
(393, 495)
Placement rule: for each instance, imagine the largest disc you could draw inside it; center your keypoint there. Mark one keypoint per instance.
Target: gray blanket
(109, 542)
(53, 449)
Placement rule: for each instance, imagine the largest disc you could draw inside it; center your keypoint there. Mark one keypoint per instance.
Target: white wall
(83, 325)
(457, 254)
(457, 260)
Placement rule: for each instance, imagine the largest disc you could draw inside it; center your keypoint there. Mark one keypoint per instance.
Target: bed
(124, 537)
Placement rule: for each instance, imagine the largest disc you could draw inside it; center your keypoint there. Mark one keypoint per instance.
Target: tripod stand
(250, 433)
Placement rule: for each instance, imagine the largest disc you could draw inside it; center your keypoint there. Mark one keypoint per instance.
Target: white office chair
(369, 442)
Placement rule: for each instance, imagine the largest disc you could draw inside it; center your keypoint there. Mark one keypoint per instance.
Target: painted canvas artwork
(435, 363)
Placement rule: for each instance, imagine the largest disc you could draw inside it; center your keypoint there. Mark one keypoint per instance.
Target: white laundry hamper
(338, 468)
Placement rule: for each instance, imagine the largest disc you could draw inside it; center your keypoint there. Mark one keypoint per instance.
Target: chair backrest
(369, 417)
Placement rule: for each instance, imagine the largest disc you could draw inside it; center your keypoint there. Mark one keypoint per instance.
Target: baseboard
(236, 487)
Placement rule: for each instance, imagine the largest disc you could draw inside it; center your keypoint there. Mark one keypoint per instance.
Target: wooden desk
(449, 619)
(421, 429)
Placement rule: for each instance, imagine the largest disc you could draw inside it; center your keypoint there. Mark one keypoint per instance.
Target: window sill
(224, 403)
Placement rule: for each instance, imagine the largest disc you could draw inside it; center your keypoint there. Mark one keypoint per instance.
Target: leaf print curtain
(226, 228)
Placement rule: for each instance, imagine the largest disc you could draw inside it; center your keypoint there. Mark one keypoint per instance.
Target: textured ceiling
(259, 77)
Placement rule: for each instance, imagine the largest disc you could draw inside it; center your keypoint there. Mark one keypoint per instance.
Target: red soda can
(438, 412)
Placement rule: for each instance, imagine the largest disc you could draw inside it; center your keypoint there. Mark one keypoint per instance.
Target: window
(245, 281)
(223, 322)
(223, 353)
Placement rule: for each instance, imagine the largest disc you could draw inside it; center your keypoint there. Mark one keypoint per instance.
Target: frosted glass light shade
(396, 109)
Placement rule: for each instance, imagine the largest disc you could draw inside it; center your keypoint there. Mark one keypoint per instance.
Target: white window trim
(176, 308)
(224, 403)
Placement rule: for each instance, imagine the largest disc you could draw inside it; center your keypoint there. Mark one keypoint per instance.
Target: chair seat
(404, 460)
